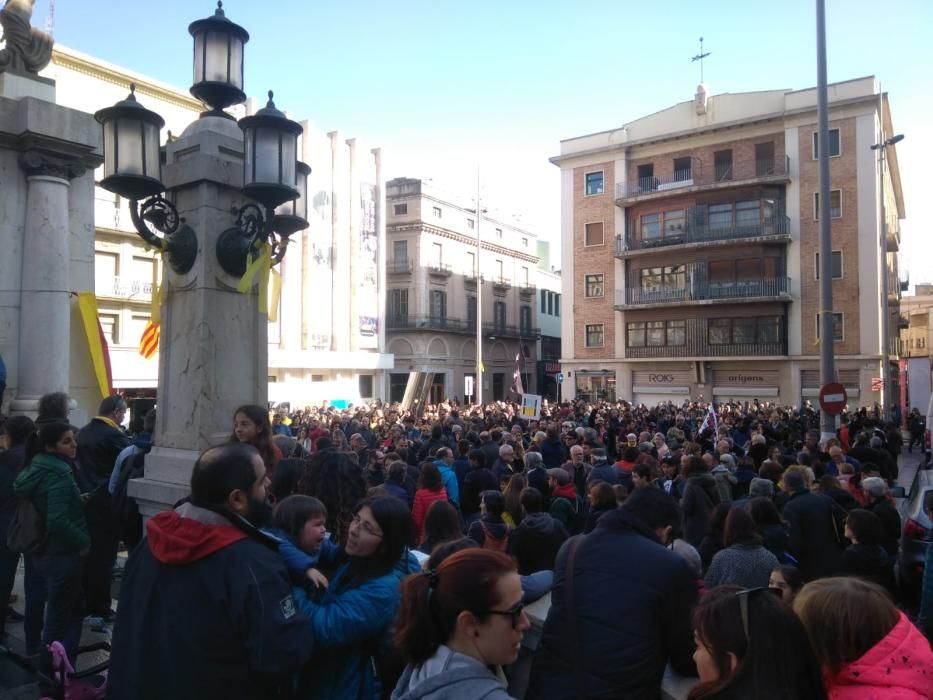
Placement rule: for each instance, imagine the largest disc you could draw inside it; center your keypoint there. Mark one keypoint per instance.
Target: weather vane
(699, 57)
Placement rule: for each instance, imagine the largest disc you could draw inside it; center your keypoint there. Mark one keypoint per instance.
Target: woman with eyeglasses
(751, 645)
(352, 619)
(455, 623)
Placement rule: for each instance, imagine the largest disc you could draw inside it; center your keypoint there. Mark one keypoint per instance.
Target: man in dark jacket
(477, 480)
(206, 609)
(814, 522)
(602, 470)
(538, 537)
(876, 491)
(100, 442)
(620, 608)
(17, 430)
(553, 452)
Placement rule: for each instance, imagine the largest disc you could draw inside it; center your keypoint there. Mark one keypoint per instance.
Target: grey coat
(746, 565)
(449, 675)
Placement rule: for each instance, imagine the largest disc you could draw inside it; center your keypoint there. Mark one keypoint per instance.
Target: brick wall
(842, 174)
(594, 259)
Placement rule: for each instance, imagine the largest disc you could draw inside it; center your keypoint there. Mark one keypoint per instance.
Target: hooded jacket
(567, 507)
(700, 498)
(493, 524)
(449, 675)
(899, 667)
(535, 542)
(206, 611)
(48, 483)
(449, 478)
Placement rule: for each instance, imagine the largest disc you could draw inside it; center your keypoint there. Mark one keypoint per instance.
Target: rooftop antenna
(699, 57)
(50, 20)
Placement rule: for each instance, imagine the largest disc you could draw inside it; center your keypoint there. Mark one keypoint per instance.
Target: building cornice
(111, 74)
(460, 238)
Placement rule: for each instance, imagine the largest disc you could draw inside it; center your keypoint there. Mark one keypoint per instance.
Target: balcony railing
(124, 288)
(762, 288)
(737, 171)
(399, 266)
(502, 282)
(458, 325)
(439, 268)
(527, 288)
(696, 343)
(701, 232)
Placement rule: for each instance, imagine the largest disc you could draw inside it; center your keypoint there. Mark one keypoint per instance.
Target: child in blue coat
(298, 524)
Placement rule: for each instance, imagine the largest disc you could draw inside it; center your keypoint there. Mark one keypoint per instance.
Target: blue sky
(445, 86)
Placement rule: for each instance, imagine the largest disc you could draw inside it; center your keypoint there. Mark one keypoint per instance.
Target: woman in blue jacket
(352, 619)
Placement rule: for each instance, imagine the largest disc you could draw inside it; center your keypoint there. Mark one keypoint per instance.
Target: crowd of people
(375, 552)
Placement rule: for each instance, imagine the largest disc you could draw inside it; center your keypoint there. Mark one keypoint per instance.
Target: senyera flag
(149, 341)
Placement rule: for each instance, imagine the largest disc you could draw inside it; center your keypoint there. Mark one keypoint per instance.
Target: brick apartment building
(690, 247)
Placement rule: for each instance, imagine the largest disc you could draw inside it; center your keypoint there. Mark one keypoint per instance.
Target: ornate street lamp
(218, 61)
(272, 175)
(133, 170)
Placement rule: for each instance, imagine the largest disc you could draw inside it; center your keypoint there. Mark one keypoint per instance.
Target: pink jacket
(899, 667)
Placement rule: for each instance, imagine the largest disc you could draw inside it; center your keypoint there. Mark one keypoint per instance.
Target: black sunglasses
(743, 597)
(515, 612)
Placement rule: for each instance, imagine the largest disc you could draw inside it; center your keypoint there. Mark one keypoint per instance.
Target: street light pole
(479, 300)
(827, 371)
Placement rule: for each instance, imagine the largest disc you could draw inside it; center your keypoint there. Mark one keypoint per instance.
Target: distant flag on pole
(149, 342)
(517, 386)
(711, 422)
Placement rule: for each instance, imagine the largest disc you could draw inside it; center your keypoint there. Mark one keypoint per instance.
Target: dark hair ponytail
(47, 436)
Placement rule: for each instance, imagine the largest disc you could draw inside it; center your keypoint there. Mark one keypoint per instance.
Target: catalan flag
(149, 342)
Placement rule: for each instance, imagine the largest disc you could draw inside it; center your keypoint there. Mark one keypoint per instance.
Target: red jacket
(899, 667)
(423, 500)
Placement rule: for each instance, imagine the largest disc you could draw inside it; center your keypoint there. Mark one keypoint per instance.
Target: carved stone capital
(36, 163)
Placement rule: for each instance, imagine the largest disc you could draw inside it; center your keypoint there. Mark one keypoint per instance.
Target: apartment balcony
(893, 234)
(698, 179)
(124, 288)
(501, 284)
(696, 343)
(459, 325)
(399, 266)
(771, 228)
(695, 293)
(440, 269)
(527, 289)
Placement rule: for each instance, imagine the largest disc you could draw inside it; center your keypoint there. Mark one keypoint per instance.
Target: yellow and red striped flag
(149, 342)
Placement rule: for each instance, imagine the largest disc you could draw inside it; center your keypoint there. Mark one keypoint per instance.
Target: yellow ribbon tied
(260, 264)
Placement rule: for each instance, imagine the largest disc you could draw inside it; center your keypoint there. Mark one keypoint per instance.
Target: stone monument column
(213, 353)
(45, 308)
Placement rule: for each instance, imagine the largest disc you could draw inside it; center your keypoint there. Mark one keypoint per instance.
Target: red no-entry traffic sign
(833, 398)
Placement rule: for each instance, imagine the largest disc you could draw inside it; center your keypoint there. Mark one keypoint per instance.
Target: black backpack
(127, 518)
(26, 534)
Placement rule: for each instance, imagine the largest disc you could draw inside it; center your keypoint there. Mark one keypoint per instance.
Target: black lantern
(218, 61)
(292, 216)
(132, 166)
(270, 142)
(133, 170)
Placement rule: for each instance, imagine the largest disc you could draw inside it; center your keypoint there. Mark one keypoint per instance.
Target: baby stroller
(68, 684)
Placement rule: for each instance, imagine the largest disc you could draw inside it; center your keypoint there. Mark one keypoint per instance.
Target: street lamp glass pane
(289, 151)
(198, 57)
(267, 155)
(236, 62)
(301, 204)
(109, 148)
(216, 70)
(129, 137)
(153, 168)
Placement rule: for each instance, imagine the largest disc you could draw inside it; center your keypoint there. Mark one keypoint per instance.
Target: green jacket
(48, 483)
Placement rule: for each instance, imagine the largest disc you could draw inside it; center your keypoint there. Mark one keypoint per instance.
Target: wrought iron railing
(397, 266)
(765, 287)
(696, 343)
(700, 231)
(748, 169)
(458, 325)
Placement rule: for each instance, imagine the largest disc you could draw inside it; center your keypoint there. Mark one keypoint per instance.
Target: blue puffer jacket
(349, 626)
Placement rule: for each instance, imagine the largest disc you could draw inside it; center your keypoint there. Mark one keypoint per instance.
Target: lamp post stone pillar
(213, 352)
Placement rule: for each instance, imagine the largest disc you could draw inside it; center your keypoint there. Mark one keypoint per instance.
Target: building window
(110, 324)
(366, 386)
(838, 327)
(544, 294)
(744, 331)
(720, 217)
(835, 145)
(400, 209)
(398, 304)
(650, 226)
(764, 159)
(635, 334)
(674, 222)
(722, 165)
(719, 331)
(437, 212)
(640, 334)
(593, 285)
(837, 265)
(524, 243)
(400, 250)
(471, 311)
(437, 254)
(682, 169)
(498, 315)
(593, 234)
(500, 271)
(525, 319)
(835, 205)
(499, 233)
(550, 303)
(676, 332)
(438, 304)
(317, 377)
(646, 181)
(594, 183)
(594, 335)
(655, 333)
(671, 277)
(525, 280)
(471, 265)
(471, 224)
(557, 304)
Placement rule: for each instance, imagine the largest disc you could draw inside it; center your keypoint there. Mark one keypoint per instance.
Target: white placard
(531, 407)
